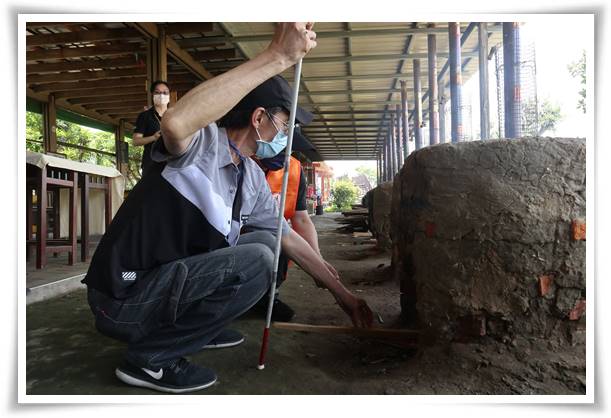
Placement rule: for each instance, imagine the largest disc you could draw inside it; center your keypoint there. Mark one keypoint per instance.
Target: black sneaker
(280, 313)
(180, 377)
(227, 338)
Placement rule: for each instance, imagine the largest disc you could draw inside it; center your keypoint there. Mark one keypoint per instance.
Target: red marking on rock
(545, 283)
(578, 229)
(578, 310)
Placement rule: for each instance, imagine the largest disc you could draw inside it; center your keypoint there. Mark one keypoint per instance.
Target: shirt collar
(224, 153)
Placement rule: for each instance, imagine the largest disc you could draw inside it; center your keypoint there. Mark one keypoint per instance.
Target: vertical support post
(386, 158)
(393, 145)
(162, 54)
(511, 73)
(378, 169)
(484, 105)
(151, 67)
(455, 81)
(107, 202)
(41, 220)
(28, 219)
(50, 125)
(417, 105)
(84, 216)
(398, 122)
(442, 119)
(173, 97)
(404, 119)
(433, 90)
(72, 218)
(121, 148)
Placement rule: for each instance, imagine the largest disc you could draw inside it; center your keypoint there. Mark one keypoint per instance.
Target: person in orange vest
(295, 211)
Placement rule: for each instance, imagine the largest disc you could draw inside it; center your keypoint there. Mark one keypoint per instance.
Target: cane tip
(260, 366)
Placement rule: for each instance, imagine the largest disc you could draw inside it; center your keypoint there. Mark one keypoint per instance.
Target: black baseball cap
(274, 92)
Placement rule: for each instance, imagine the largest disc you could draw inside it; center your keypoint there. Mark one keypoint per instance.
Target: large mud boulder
(489, 239)
(379, 213)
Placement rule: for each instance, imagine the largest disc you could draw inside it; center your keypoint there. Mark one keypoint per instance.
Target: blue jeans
(187, 302)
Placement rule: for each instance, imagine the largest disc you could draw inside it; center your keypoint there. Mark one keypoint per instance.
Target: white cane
(285, 178)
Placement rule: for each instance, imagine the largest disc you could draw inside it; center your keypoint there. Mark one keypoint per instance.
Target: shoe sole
(135, 381)
(223, 345)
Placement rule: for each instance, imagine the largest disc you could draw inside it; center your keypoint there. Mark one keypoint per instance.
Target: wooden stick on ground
(379, 333)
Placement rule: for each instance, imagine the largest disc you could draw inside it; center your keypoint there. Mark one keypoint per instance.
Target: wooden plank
(95, 35)
(215, 54)
(139, 104)
(49, 67)
(68, 106)
(148, 29)
(83, 75)
(100, 101)
(197, 43)
(188, 27)
(381, 333)
(99, 50)
(187, 60)
(93, 84)
(100, 92)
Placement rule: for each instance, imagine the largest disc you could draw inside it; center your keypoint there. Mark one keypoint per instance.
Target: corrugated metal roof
(347, 80)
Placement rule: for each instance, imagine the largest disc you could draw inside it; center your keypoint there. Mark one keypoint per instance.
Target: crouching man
(173, 271)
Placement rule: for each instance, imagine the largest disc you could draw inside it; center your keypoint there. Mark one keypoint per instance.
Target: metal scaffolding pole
(417, 105)
(404, 119)
(455, 81)
(433, 91)
(386, 159)
(393, 145)
(442, 119)
(511, 72)
(378, 169)
(398, 129)
(484, 105)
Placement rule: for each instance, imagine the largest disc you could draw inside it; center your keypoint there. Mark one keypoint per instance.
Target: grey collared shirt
(206, 176)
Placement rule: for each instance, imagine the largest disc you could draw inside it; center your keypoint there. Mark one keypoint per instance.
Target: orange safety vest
(274, 179)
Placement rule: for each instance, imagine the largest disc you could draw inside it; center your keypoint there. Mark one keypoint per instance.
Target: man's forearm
(298, 250)
(215, 97)
(304, 227)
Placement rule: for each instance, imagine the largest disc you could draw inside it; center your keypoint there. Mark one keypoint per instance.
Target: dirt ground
(65, 354)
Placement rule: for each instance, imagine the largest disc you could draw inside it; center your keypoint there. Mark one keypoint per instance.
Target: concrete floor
(65, 354)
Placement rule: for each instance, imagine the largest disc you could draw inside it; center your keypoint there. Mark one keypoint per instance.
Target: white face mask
(161, 99)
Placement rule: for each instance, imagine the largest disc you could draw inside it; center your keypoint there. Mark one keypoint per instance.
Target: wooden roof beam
(175, 51)
(85, 65)
(83, 75)
(96, 35)
(94, 84)
(188, 27)
(88, 51)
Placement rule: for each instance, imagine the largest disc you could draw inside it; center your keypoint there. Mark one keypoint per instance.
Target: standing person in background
(148, 124)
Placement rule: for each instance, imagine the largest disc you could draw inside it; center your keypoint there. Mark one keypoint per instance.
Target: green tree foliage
(368, 172)
(577, 69)
(73, 134)
(343, 194)
(536, 122)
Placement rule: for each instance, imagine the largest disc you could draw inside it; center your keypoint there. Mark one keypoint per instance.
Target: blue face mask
(272, 148)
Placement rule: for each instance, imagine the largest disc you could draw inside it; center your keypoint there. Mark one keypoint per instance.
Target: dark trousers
(187, 302)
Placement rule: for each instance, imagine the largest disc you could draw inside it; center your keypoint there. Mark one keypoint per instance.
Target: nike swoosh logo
(155, 375)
